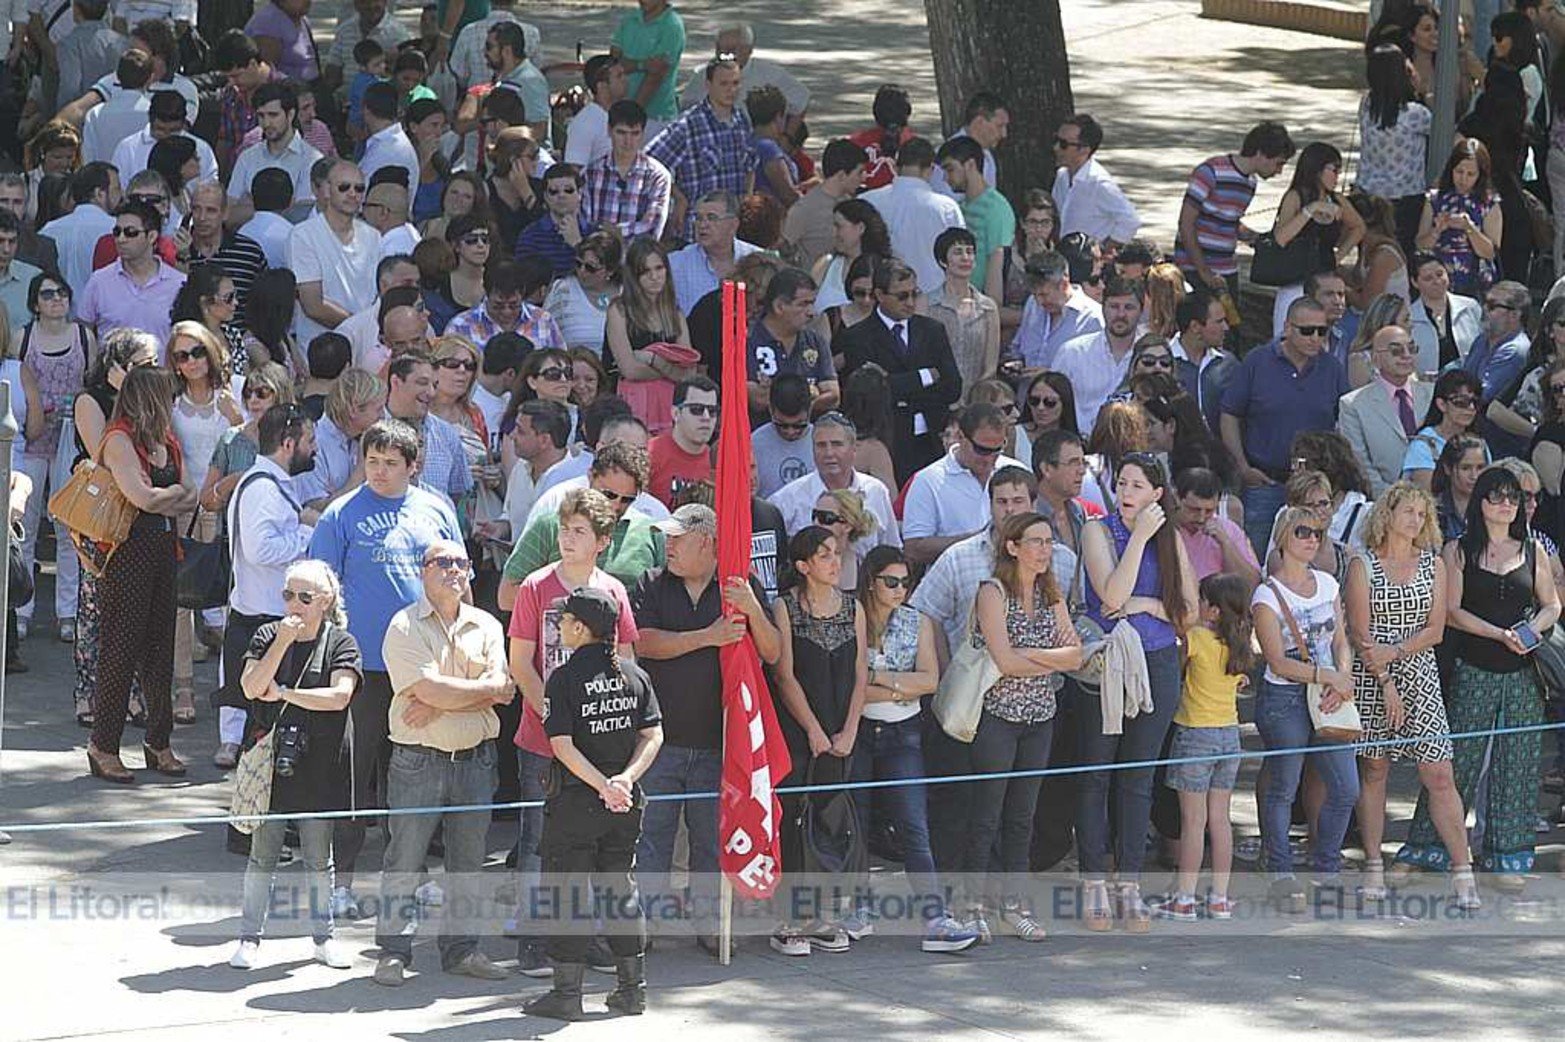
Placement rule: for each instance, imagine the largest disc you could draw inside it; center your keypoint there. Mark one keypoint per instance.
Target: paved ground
(1171, 89)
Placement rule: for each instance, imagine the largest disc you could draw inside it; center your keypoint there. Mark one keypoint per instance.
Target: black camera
(290, 745)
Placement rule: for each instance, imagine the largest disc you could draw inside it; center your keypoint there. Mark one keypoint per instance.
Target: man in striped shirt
(628, 188)
(1216, 198)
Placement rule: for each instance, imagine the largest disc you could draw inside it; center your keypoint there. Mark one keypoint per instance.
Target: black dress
(321, 780)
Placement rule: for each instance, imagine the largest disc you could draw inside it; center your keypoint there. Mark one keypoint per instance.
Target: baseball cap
(692, 517)
(595, 609)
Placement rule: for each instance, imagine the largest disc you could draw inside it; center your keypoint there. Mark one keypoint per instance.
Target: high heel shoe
(1133, 911)
(163, 761)
(1465, 887)
(1095, 909)
(108, 767)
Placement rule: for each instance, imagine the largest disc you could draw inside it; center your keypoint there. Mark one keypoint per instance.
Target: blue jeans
(1261, 506)
(266, 843)
(422, 777)
(531, 774)
(884, 752)
(1283, 719)
(676, 771)
(1003, 806)
(1141, 740)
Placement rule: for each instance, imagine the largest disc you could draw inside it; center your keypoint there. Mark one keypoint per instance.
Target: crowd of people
(437, 353)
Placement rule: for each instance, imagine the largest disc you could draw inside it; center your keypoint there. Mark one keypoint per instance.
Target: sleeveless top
(164, 476)
(834, 284)
(60, 377)
(898, 653)
(1025, 700)
(825, 659)
(198, 427)
(1154, 632)
(1503, 600)
(1470, 273)
(105, 395)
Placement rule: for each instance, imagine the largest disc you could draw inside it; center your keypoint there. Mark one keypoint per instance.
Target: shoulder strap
(27, 340)
(81, 339)
(1353, 519)
(244, 483)
(1287, 617)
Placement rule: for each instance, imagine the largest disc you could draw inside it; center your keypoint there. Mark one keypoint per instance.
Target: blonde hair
(453, 346)
(354, 387)
(1521, 468)
(1302, 482)
(274, 376)
(1288, 519)
(851, 506)
(1378, 527)
(216, 351)
(320, 575)
(1165, 289)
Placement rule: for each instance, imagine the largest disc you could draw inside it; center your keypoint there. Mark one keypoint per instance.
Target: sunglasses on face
(617, 497)
(987, 450)
(226, 298)
(1308, 532)
(827, 517)
(589, 267)
(150, 200)
(1312, 330)
(701, 410)
(459, 363)
(895, 582)
(259, 392)
(904, 296)
(1157, 361)
(305, 597)
(1041, 401)
(351, 186)
(1503, 496)
(447, 562)
(54, 293)
(181, 357)
(478, 239)
(1462, 401)
(554, 372)
(126, 232)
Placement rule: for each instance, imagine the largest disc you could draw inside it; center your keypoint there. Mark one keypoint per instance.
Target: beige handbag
(1342, 724)
(94, 510)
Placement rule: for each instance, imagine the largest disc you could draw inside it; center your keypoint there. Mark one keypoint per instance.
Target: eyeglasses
(786, 425)
(560, 190)
(446, 562)
(1312, 330)
(1156, 361)
(827, 517)
(1496, 305)
(1503, 496)
(476, 239)
(1308, 532)
(1043, 401)
(459, 363)
(259, 392)
(554, 372)
(54, 293)
(351, 186)
(1399, 350)
(904, 296)
(697, 409)
(181, 357)
(125, 232)
(895, 582)
(987, 450)
(1463, 401)
(305, 597)
(617, 497)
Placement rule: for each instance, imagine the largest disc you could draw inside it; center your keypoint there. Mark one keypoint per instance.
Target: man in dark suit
(920, 369)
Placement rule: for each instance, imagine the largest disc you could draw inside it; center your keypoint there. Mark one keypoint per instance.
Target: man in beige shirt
(447, 663)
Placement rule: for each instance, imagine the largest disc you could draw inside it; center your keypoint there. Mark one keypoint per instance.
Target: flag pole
(733, 297)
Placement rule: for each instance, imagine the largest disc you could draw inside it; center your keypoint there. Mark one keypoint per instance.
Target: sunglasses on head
(1308, 532)
(827, 517)
(305, 597)
(895, 582)
(181, 357)
(459, 363)
(446, 562)
(554, 372)
(699, 409)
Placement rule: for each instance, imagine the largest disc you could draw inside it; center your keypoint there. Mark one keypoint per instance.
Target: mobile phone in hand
(1527, 635)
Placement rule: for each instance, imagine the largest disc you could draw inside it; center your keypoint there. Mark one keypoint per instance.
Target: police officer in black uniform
(605, 728)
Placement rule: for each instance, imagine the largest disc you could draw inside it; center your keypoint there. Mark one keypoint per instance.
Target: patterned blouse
(1391, 162)
(1025, 700)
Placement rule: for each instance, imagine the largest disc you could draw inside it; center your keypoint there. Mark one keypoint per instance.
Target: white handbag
(959, 699)
(1342, 724)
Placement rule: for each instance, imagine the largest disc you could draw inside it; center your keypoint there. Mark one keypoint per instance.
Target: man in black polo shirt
(684, 617)
(603, 723)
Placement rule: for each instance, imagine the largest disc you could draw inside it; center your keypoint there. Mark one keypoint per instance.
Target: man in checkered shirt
(708, 148)
(627, 188)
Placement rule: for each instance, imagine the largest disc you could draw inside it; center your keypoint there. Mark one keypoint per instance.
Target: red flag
(755, 758)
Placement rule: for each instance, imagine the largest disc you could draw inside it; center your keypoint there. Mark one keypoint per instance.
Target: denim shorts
(1203, 741)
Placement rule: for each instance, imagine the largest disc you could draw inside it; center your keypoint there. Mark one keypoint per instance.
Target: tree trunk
(1016, 50)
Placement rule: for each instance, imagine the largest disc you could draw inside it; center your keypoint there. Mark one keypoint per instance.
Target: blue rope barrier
(846, 786)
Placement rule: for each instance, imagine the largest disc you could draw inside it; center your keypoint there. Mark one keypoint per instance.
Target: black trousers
(589, 863)
(369, 714)
(1054, 821)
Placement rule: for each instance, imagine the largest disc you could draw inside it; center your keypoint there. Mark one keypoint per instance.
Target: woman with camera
(299, 675)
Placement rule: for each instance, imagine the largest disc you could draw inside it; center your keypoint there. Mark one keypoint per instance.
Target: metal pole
(1443, 134)
(7, 439)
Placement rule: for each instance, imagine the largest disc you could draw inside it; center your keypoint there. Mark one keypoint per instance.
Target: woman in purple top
(1137, 570)
(778, 175)
(282, 34)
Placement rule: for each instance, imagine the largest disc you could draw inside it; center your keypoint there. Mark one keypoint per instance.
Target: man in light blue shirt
(1056, 312)
(1499, 356)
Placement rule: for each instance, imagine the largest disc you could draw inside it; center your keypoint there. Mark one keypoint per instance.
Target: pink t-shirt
(1206, 553)
(540, 601)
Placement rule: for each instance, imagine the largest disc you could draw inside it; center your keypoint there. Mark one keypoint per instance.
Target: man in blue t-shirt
(374, 539)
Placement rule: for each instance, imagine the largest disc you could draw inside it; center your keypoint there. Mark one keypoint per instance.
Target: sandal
(1404, 872)
(1095, 909)
(1023, 925)
(163, 761)
(108, 766)
(185, 706)
(1134, 911)
(1465, 887)
(1373, 888)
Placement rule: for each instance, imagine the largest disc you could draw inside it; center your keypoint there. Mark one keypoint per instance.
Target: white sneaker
(244, 955)
(429, 894)
(329, 953)
(227, 756)
(343, 904)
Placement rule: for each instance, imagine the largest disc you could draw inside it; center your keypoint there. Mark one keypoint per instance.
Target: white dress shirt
(945, 499)
(1090, 201)
(130, 155)
(796, 500)
(390, 146)
(265, 538)
(271, 231)
(1094, 373)
(296, 157)
(916, 214)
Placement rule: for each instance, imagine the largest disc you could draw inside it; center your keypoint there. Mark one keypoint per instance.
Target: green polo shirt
(634, 547)
(993, 223)
(662, 37)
